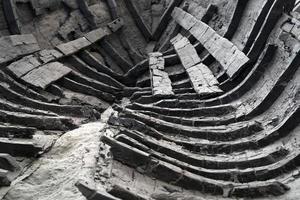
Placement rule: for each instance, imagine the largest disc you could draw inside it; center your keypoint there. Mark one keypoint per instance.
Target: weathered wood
(13, 96)
(242, 175)
(125, 193)
(227, 54)
(165, 18)
(74, 46)
(138, 20)
(273, 17)
(16, 46)
(189, 110)
(11, 16)
(24, 148)
(4, 178)
(112, 5)
(8, 162)
(44, 75)
(41, 7)
(171, 31)
(95, 63)
(161, 83)
(93, 194)
(90, 72)
(96, 34)
(84, 9)
(181, 177)
(86, 89)
(120, 60)
(213, 133)
(49, 55)
(251, 23)
(23, 66)
(200, 75)
(16, 131)
(116, 25)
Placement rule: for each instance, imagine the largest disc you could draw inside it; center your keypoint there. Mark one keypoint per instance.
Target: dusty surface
(73, 157)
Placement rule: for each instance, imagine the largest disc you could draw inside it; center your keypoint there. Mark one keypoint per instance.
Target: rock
(72, 158)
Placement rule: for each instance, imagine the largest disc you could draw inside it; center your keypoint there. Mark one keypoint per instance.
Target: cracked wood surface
(161, 83)
(202, 79)
(229, 56)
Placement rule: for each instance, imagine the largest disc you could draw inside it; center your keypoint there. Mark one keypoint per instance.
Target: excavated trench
(151, 100)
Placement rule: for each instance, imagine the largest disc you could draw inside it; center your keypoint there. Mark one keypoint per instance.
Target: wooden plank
(16, 46)
(74, 46)
(201, 78)
(224, 51)
(11, 16)
(23, 66)
(165, 18)
(138, 20)
(161, 83)
(45, 75)
(97, 34)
